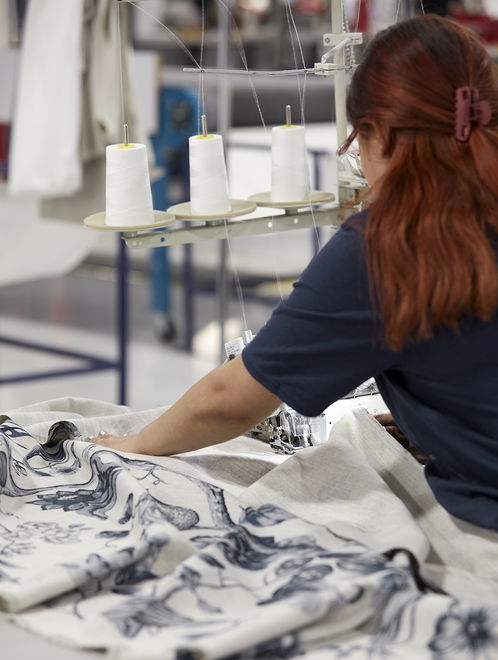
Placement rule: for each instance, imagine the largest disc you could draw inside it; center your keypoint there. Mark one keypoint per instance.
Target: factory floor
(77, 312)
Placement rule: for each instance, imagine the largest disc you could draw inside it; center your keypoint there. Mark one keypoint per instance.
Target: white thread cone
(209, 194)
(127, 192)
(289, 175)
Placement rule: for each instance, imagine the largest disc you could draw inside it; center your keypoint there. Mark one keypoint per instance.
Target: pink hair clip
(469, 110)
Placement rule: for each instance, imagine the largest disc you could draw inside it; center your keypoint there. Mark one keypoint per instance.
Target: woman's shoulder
(356, 222)
(349, 237)
(341, 262)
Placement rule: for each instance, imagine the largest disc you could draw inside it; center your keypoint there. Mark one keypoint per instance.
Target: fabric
(322, 342)
(70, 102)
(103, 102)
(107, 81)
(5, 24)
(44, 153)
(89, 199)
(40, 248)
(232, 551)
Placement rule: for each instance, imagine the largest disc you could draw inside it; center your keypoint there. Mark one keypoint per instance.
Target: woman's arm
(222, 405)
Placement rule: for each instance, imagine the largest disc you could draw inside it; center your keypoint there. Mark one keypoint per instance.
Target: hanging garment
(107, 87)
(70, 102)
(4, 24)
(44, 154)
(104, 98)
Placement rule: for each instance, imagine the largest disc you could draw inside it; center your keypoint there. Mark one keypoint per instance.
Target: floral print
(466, 631)
(144, 558)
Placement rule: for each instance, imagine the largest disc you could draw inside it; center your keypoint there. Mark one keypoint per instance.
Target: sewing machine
(286, 430)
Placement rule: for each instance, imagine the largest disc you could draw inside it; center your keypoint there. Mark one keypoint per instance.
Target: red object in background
(483, 25)
(363, 17)
(4, 149)
(311, 7)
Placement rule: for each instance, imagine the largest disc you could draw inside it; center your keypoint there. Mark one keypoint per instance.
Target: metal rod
(125, 131)
(244, 72)
(316, 233)
(332, 216)
(43, 375)
(122, 318)
(288, 115)
(340, 76)
(189, 289)
(45, 348)
(224, 113)
(204, 125)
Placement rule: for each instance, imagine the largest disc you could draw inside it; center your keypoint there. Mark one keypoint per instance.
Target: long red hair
(433, 223)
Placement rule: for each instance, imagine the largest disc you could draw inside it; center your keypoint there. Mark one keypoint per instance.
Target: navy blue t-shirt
(322, 342)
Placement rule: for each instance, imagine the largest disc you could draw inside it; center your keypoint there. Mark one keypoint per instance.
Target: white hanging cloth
(4, 24)
(69, 105)
(102, 102)
(44, 155)
(107, 81)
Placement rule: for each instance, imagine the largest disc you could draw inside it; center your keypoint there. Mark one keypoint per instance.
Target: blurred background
(79, 314)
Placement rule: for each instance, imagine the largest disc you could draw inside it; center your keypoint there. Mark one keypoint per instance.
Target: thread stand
(238, 207)
(315, 197)
(288, 221)
(217, 228)
(97, 221)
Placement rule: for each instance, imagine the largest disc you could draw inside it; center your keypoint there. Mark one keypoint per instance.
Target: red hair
(433, 222)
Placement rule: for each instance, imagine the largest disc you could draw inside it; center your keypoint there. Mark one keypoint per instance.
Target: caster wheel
(164, 328)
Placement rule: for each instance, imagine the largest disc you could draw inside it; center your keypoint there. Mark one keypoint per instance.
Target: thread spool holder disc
(238, 207)
(97, 221)
(315, 197)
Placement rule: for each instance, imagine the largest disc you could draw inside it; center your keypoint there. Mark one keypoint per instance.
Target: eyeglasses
(345, 146)
(349, 171)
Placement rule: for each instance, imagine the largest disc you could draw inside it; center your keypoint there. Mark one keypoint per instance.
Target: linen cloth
(232, 551)
(44, 152)
(74, 88)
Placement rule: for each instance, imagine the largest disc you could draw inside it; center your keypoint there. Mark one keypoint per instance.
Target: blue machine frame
(178, 120)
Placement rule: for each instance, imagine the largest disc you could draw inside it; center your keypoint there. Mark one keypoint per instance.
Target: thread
(127, 191)
(289, 176)
(291, 24)
(120, 62)
(243, 58)
(208, 176)
(200, 92)
(235, 272)
(175, 38)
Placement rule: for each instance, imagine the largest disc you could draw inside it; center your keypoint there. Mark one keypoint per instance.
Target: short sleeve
(321, 342)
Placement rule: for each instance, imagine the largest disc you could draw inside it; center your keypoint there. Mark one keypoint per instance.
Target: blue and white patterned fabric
(232, 553)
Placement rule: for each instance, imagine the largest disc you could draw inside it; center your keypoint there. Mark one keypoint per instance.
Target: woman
(406, 291)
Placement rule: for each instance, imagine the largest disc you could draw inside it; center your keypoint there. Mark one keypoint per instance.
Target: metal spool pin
(204, 125)
(288, 115)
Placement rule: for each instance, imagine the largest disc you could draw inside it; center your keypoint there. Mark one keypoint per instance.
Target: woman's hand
(388, 422)
(129, 442)
(223, 405)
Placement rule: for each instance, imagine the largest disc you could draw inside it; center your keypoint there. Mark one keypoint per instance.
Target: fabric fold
(266, 556)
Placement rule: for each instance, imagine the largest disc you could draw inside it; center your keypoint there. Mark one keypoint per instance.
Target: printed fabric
(233, 553)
